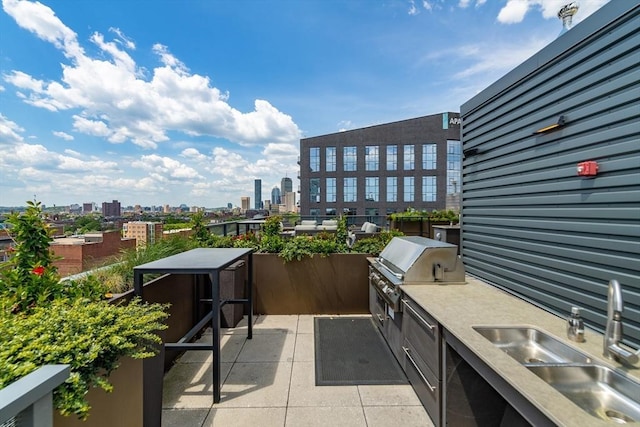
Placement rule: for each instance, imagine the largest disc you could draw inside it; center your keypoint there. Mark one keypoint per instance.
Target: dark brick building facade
(382, 169)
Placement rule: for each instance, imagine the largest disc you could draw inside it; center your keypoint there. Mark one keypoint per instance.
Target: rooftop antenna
(566, 15)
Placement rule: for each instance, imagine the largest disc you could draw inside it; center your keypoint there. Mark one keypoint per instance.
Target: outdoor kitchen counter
(460, 307)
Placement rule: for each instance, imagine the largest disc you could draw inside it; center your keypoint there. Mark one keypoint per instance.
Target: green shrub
(375, 244)
(434, 215)
(272, 226)
(44, 320)
(90, 336)
(29, 278)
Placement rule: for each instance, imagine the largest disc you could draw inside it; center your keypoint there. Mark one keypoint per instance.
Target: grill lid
(416, 259)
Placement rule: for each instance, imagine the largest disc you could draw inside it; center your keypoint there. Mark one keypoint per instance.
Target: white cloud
(166, 167)
(116, 102)
(9, 131)
(515, 10)
(63, 135)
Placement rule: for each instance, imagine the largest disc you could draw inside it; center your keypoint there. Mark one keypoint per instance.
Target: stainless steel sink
(598, 390)
(530, 345)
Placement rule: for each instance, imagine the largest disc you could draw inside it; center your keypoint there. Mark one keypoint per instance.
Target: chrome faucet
(613, 331)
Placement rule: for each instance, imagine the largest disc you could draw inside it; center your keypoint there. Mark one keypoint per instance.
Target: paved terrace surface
(270, 381)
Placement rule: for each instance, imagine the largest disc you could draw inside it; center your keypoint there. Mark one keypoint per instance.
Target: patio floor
(270, 381)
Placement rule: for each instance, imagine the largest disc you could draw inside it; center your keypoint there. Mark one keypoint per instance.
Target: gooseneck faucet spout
(613, 332)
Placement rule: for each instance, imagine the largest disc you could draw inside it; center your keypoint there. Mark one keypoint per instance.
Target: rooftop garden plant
(44, 320)
(433, 215)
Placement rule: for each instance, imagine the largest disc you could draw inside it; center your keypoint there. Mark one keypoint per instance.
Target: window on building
(454, 167)
(372, 162)
(331, 159)
(429, 189)
(429, 157)
(409, 158)
(330, 212)
(314, 190)
(392, 157)
(350, 158)
(372, 189)
(371, 212)
(314, 159)
(350, 189)
(409, 190)
(392, 189)
(331, 190)
(314, 212)
(349, 211)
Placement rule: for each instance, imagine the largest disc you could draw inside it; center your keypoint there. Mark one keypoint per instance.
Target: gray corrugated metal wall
(529, 223)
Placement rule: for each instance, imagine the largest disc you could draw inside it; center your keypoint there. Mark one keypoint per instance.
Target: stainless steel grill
(414, 260)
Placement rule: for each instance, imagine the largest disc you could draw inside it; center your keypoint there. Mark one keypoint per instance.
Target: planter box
(422, 228)
(336, 284)
(136, 399)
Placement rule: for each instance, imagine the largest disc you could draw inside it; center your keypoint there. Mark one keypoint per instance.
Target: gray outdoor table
(205, 261)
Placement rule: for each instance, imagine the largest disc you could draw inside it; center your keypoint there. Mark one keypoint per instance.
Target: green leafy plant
(89, 336)
(434, 215)
(44, 320)
(307, 246)
(374, 245)
(199, 232)
(29, 278)
(272, 226)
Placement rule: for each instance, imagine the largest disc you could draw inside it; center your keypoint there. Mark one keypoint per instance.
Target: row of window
(372, 189)
(372, 158)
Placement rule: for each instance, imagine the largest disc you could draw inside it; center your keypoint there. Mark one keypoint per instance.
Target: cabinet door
(424, 382)
(422, 332)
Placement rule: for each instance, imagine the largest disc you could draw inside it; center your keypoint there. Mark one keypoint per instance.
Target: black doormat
(352, 351)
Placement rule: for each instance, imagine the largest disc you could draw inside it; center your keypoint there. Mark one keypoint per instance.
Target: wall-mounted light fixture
(558, 124)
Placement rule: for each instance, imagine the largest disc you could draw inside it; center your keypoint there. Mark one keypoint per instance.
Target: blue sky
(170, 102)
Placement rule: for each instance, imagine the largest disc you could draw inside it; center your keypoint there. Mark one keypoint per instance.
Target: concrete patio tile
(257, 385)
(326, 416)
(405, 416)
(272, 324)
(183, 417)
(388, 395)
(305, 323)
(268, 348)
(190, 385)
(230, 346)
(305, 348)
(239, 329)
(245, 417)
(304, 391)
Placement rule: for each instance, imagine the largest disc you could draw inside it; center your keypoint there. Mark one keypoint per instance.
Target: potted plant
(44, 320)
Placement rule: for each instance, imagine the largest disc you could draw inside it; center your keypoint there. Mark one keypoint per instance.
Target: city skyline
(190, 102)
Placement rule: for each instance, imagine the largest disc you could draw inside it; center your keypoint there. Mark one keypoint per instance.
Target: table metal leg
(215, 325)
(250, 298)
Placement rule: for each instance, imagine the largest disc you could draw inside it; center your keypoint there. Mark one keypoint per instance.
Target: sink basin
(598, 390)
(530, 345)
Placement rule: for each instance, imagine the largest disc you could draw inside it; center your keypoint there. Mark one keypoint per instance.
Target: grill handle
(424, 322)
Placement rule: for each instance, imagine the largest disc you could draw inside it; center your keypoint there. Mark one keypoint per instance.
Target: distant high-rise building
(275, 196)
(229, 205)
(244, 203)
(258, 193)
(286, 186)
(111, 209)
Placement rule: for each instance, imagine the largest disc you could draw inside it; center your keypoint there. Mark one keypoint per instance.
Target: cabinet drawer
(421, 331)
(424, 382)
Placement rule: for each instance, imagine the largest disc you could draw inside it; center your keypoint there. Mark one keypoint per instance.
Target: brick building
(82, 254)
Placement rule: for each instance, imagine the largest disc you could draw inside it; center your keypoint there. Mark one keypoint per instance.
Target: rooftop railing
(28, 402)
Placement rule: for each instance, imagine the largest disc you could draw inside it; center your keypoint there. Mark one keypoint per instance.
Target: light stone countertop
(459, 307)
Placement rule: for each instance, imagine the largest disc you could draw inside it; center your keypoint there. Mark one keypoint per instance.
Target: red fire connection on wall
(589, 168)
